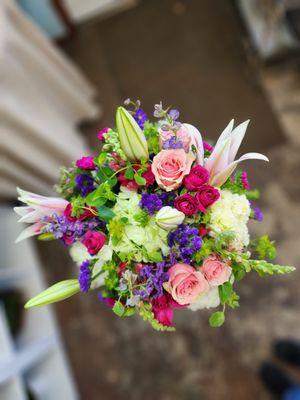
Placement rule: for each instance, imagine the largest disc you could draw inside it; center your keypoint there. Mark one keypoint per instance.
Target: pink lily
(37, 208)
(221, 163)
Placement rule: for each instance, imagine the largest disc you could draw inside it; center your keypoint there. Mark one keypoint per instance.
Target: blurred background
(64, 67)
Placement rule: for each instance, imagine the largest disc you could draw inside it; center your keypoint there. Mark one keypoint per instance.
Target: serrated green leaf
(118, 309)
(225, 291)
(217, 319)
(57, 292)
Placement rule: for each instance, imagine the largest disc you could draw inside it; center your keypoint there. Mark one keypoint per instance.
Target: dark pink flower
(203, 231)
(86, 163)
(101, 133)
(163, 308)
(206, 196)
(85, 215)
(207, 147)
(245, 182)
(186, 204)
(149, 176)
(94, 241)
(197, 177)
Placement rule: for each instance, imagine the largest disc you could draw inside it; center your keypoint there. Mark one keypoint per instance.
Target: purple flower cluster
(85, 184)
(167, 198)
(85, 276)
(150, 203)
(258, 214)
(172, 143)
(141, 117)
(68, 231)
(184, 242)
(155, 276)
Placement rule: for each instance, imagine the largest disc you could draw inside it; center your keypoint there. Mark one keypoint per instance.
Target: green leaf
(155, 256)
(105, 213)
(217, 319)
(129, 174)
(101, 159)
(225, 291)
(118, 309)
(59, 291)
(139, 179)
(263, 268)
(46, 236)
(129, 312)
(95, 201)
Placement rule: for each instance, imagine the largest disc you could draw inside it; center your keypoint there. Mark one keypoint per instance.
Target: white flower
(209, 300)
(169, 218)
(231, 213)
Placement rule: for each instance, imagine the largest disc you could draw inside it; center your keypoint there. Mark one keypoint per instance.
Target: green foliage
(152, 136)
(46, 237)
(155, 256)
(142, 218)
(101, 195)
(78, 204)
(112, 277)
(223, 239)
(116, 228)
(121, 311)
(66, 184)
(228, 295)
(263, 268)
(129, 174)
(253, 194)
(205, 251)
(101, 159)
(264, 247)
(139, 179)
(217, 319)
(105, 213)
(145, 311)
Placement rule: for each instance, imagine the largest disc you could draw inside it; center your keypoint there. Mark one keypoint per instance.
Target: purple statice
(172, 143)
(85, 184)
(85, 275)
(184, 242)
(258, 214)
(167, 198)
(150, 203)
(154, 276)
(141, 117)
(68, 231)
(174, 114)
(245, 181)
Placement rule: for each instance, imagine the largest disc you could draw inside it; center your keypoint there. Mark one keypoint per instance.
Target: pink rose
(216, 271)
(170, 166)
(94, 241)
(196, 178)
(185, 284)
(207, 195)
(186, 204)
(163, 309)
(86, 163)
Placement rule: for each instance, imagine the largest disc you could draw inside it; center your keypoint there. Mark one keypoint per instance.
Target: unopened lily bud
(169, 218)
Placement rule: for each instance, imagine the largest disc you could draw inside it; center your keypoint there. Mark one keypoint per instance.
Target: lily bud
(169, 218)
(132, 139)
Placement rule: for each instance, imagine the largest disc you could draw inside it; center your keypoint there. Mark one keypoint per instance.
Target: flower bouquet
(158, 220)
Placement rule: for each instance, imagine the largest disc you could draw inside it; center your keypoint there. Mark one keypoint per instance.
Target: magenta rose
(185, 284)
(196, 178)
(86, 163)
(206, 196)
(94, 241)
(163, 308)
(88, 213)
(216, 271)
(186, 204)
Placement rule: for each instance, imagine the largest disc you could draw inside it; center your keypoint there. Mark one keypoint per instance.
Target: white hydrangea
(209, 300)
(231, 212)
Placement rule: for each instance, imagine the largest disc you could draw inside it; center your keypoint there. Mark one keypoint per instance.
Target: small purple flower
(141, 117)
(155, 276)
(174, 114)
(258, 214)
(85, 184)
(167, 198)
(184, 242)
(85, 276)
(172, 143)
(150, 203)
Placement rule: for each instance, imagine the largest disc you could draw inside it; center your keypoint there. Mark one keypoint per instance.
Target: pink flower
(149, 176)
(85, 215)
(186, 204)
(185, 284)
(101, 133)
(129, 184)
(196, 178)
(215, 271)
(170, 166)
(86, 163)
(206, 196)
(207, 146)
(203, 231)
(163, 309)
(182, 134)
(94, 241)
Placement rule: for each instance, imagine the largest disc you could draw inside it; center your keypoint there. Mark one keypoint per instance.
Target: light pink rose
(170, 166)
(185, 284)
(215, 271)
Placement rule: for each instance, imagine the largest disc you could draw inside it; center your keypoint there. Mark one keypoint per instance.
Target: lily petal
(196, 140)
(218, 160)
(237, 136)
(32, 230)
(226, 132)
(221, 177)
